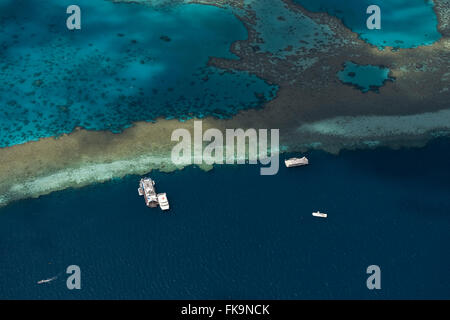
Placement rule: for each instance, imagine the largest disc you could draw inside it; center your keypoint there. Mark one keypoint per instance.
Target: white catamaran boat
(319, 214)
(296, 162)
(152, 199)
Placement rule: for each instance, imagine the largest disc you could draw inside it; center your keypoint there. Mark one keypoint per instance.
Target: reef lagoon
(404, 23)
(363, 77)
(128, 62)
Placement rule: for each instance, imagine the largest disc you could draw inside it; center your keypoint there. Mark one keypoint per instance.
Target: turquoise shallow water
(284, 31)
(404, 23)
(364, 77)
(128, 62)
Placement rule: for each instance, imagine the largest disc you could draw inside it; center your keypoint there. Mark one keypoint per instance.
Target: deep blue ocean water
(232, 233)
(364, 77)
(404, 23)
(128, 62)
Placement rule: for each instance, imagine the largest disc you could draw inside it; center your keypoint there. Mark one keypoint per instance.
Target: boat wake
(48, 280)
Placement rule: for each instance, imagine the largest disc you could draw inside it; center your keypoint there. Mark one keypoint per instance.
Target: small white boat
(163, 202)
(46, 280)
(319, 214)
(296, 162)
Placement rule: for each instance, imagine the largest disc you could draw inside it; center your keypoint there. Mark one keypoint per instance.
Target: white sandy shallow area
(380, 126)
